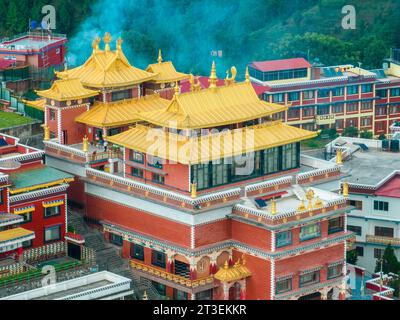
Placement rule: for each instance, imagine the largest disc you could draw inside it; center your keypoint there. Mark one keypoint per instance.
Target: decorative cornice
(38, 194)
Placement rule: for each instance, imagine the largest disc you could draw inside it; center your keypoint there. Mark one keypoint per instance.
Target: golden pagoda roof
(213, 107)
(194, 150)
(37, 104)
(67, 89)
(166, 72)
(13, 234)
(107, 69)
(125, 112)
(230, 274)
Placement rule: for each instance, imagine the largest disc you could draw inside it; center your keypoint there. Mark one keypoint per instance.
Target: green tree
(389, 261)
(350, 132)
(366, 134)
(351, 256)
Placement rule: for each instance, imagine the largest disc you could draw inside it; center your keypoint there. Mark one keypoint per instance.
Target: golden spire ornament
(247, 75)
(107, 39)
(213, 76)
(160, 59)
(345, 189)
(119, 44)
(339, 157)
(85, 144)
(273, 207)
(95, 43)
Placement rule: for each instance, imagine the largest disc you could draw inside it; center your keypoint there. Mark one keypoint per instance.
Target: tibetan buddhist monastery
(203, 191)
(33, 206)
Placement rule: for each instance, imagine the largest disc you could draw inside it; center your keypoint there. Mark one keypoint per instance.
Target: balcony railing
(172, 277)
(383, 240)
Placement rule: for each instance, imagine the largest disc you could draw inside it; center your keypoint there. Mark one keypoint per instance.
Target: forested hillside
(187, 30)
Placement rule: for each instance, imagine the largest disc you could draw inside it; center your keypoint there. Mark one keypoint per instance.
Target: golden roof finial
(107, 39)
(273, 207)
(95, 43)
(247, 75)
(213, 76)
(339, 156)
(226, 265)
(345, 189)
(310, 194)
(318, 203)
(160, 59)
(119, 44)
(301, 207)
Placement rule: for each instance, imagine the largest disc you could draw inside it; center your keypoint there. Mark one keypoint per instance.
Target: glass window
(352, 89)
(381, 93)
(335, 225)
(338, 92)
(201, 176)
(293, 113)
(220, 174)
(52, 113)
(323, 93)
(158, 259)
(360, 251)
(139, 173)
(381, 110)
(308, 111)
(322, 110)
(310, 232)
(121, 95)
(158, 178)
(27, 244)
(271, 160)
(181, 295)
(116, 239)
(357, 204)
(310, 94)
(279, 97)
(352, 107)
(378, 253)
(161, 288)
(136, 156)
(337, 108)
(384, 232)
(395, 92)
(367, 105)
(52, 233)
(381, 205)
(356, 229)
(283, 285)
(27, 217)
(155, 162)
(52, 212)
(309, 278)
(137, 252)
(290, 156)
(293, 96)
(365, 88)
(335, 271)
(283, 238)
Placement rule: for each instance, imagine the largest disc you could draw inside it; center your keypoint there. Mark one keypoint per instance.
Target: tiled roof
(68, 89)
(14, 234)
(278, 65)
(166, 72)
(121, 113)
(208, 108)
(192, 150)
(390, 188)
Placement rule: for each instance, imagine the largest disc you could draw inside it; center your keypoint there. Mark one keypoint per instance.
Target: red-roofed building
(279, 65)
(331, 97)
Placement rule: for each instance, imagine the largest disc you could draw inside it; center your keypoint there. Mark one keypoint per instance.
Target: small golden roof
(231, 274)
(107, 69)
(67, 89)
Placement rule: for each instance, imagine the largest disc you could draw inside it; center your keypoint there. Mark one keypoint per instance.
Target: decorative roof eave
(63, 98)
(185, 125)
(41, 186)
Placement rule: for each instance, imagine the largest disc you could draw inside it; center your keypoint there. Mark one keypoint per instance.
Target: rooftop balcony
(76, 154)
(383, 240)
(172, 280)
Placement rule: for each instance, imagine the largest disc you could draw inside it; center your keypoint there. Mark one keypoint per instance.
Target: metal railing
(170, 276)
(382, 240)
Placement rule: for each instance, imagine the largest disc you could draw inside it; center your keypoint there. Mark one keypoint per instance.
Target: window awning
(52, 204)
(317, 268)
(24, 210)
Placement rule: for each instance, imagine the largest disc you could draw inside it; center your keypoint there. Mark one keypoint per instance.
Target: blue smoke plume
(186, 31)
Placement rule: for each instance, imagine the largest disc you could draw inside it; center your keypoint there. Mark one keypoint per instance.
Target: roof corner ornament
(119, 44)
(107, 39)
(345, 186)
(95, 44)
(230, 80)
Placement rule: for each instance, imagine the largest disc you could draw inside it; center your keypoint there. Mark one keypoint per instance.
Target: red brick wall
(251, 235)
(136, 220)
(211, 233)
